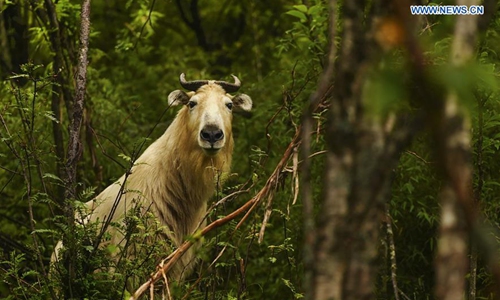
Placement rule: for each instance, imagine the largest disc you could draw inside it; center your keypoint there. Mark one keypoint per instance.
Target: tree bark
(362, 153)
(453, 135)
(392, 253)
(451, 260)
(74, 144)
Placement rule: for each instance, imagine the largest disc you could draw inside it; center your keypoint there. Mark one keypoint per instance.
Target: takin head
(209, 109)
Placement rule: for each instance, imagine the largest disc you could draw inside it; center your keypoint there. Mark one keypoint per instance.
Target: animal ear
(178, 97)
(242, 103)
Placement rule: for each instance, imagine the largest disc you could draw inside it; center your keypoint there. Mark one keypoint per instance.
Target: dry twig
(176, 255)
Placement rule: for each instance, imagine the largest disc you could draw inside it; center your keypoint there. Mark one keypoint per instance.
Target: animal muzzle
(212, 135)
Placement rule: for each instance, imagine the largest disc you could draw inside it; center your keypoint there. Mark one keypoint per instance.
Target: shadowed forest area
(367, 169)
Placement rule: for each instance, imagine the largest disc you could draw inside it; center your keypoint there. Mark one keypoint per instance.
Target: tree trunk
(74, 144)
(451, 260)
(307, 121)
(58, 87)
(362, 153)
(453, 135)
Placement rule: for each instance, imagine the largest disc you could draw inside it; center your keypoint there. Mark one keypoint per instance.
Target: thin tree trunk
(57, 91)
(451, 260)
(473, 271)
(392, 253)
(308, 208)
(454, 136)
(477, 196)
(336, 251)
(74, 145)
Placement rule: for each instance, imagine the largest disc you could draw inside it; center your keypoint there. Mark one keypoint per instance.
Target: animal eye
(191, 104)
(229, 105)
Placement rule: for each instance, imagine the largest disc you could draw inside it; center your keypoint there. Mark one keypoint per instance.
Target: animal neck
(190, 177)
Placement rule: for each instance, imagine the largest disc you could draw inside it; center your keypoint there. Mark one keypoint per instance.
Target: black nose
(211, 134)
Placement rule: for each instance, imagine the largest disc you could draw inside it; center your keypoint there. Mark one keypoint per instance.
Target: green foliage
(309, 32)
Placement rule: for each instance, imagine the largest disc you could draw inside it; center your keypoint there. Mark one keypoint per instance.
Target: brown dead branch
(412, 153)
(166, 283)
(295, 180)
(272, 183)
(168, 262)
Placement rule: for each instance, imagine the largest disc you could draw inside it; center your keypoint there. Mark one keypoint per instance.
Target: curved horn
(191, 85)
(230, 87)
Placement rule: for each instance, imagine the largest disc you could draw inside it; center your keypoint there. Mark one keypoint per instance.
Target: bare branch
(392, 254)
(148, 20)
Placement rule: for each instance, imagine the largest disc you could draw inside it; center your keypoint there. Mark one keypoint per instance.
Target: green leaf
(125, 157)
(301, 8)
(52, 176)
(43, 231)
(50, 115)
(19, 76)
(111, 249)
(298, 14)
(314, 10)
